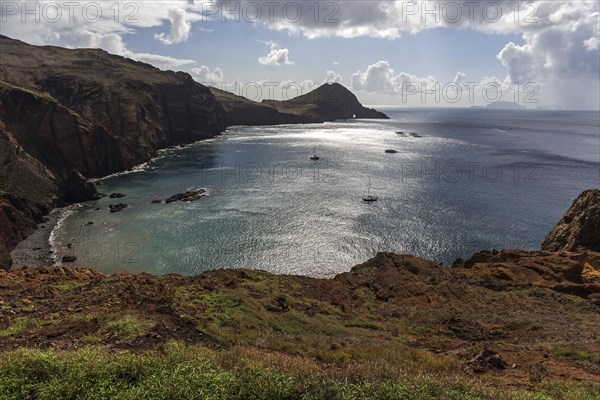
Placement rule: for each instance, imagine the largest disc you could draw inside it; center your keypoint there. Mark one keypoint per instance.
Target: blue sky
(235, 48)
(387, 52)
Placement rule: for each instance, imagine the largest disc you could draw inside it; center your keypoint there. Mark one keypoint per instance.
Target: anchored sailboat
(369, 198)
(315, 157)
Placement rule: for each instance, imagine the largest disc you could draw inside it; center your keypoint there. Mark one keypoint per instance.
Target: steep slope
(116, 111)
(85, 113)
(328, 102)
(242, 111)
(579, 226)
(28, 190)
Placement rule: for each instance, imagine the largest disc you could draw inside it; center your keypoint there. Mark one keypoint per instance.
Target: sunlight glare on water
(476, 179)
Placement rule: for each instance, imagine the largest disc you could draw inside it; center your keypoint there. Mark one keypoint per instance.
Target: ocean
(462, 180)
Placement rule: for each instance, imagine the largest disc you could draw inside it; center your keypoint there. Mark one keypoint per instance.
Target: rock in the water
(187, 197)
(69, 259)
(579, 227)
(117, 207)
(391, 151)
(156, 201)
(117, 195)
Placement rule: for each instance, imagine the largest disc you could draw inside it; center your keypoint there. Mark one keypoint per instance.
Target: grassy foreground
(179, 371)
(511, 326)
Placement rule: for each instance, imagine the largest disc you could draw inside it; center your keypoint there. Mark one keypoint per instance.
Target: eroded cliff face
(83, 114)
(579, 227)
(102, 113)
(28, 190)
(329, 102)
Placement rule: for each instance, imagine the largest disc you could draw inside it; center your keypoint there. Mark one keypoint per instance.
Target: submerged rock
(117, 195)
(69, 259)
(117, 207)
(187, 197)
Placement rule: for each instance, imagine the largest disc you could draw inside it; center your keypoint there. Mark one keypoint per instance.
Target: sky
(541, 54)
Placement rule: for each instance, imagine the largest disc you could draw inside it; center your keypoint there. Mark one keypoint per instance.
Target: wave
(160, 154)
(63, 214)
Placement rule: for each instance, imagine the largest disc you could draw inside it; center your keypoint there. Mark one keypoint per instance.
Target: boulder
(187, 197)
(579, 227)
(114, 208)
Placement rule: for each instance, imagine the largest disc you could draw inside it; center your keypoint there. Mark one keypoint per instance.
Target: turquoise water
(476, 179)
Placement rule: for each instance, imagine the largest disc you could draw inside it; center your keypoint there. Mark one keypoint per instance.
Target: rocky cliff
(96, 112)
(78, 114)
(328, 102)
(579, 227)
(86, 113)
(28, 190)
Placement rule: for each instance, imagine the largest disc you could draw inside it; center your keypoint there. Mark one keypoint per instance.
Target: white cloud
(276, 56)
(459, 79)
(592, 44)
(113, 43)
(106, 33)
(404, 88)
(205, 75)
(561, 57)
(333, 77)
(380, 77)
(162, 62)
(180, 27)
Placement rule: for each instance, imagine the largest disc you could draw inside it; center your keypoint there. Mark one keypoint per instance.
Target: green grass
(20, 325)
(574, 354)
(183, 372)
(65, 287)
(536, 327)
(128, 327)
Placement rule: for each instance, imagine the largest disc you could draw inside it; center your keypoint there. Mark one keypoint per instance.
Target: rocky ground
(513, 317)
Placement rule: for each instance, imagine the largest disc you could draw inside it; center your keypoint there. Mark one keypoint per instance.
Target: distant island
(505, 105)
(70, 115)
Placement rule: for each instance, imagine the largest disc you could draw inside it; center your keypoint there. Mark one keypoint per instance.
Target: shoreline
(37, 250)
